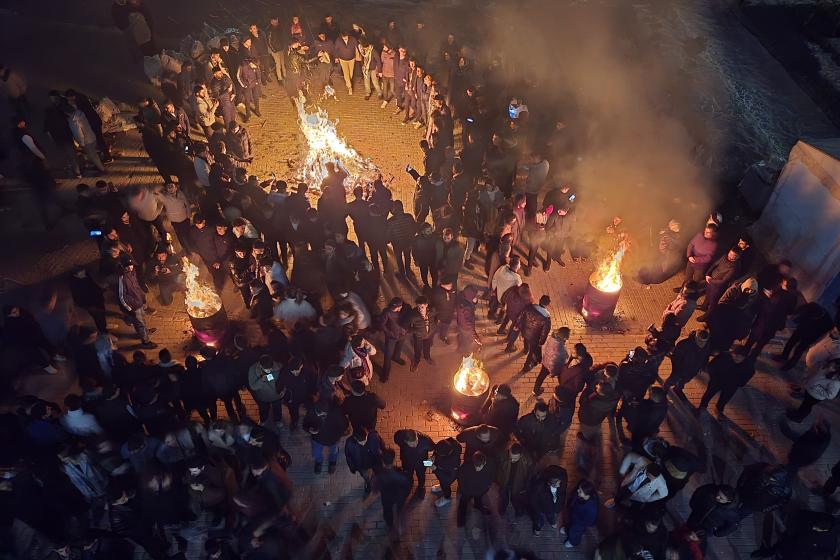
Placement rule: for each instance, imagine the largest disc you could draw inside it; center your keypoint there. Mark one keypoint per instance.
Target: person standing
(445, 460)
(515, 468)
(700, 252)
(391, 326)
(84, 136)
(164, 269)
(554, 357)
(501, 410)
(422, 326)
(534, 324)
(132, 300)
(414, 450)
(548, 498)
(537, 168)
(468, 338)
(813, 322)
(401, 228)
(363, 452)
(204, 109)
(371, 64)
(90, 296)
(221, 90)
(822, 384)
(727, 372)
(178, 212)
(582, 513)
(444, 302)
(362, 406)
(475, 476)
(326, 425)
(771, 316)
(394, 485)
(249, 77)
(719, 277)
(345, 51)
(503, 279)
(299, 380)
(689, 356)
(83, 102)
(263, 54)
(386, 73)
(58, 129)
(265, 388)
(277, 46)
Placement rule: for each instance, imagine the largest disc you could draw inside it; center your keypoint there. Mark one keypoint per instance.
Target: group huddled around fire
(140, 459)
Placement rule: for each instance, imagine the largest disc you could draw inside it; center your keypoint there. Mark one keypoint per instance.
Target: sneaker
(536, 533)
(562, 531)
(148, 345)
(610, 503)
(50, 369)
(440, 502)
(367, 97)
(436, 489)
(383, 105)
(568, 545)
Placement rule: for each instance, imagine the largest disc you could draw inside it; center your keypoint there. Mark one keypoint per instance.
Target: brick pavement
(421, 399)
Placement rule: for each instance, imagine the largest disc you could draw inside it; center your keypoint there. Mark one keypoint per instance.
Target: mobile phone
(572, 198)
(470, 120)
(427, 462)
(270, 376)
(96, 233)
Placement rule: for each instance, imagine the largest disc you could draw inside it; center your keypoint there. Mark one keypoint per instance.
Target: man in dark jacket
(364, 454)
(401, 228)
(423, 250)
(238, 143)
(361, 406)
(484, 438)
(345, 50)
(422, 326)
(475, 476)
(501, 409)
(537, 430)
(466, 321)
(444, 298)
(326, 424)
(809, 534)
(689, 356)
(534, 323)
(812, 323)
(445, 460)
(719, 277)
(221, 384)
(764, 487)
(548, 497)
(645, 417)
(771, 315)
(394, 485)
(389, 323)
(414, 449)
(299, 380)
(636, 373)
(727, 372)
(714, 509)
(90, 296)
(115, 414)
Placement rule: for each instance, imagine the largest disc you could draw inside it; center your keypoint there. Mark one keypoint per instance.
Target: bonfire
(471, 379)
(202, 301)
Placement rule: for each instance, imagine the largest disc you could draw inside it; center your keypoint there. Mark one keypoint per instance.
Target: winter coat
(362, 457)
(825, 350)
(708, 514)
(723, 271)
(401, 229)
(346, 50)
(330, 427)
(516, 477)
(544, 502)
(554, 355)
(534, 324)
(411, 457)
(504, 279)
(821, 387)
(582, 513)
(261, 388)
(472, 483)
(358, 310)
(724, 370)
(422, 327)
(446, 462)
(469, 437)
(594, 408)
(501, 413)
(635, 378)
(538, 437)
(389, 323)
(633, 468)
(362, 410)
(703, 250)
(449, 257)
(444, 303)
(687, 358)
(131, 295)
(515, 302)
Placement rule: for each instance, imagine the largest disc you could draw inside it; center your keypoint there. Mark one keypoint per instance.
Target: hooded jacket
(688, 358)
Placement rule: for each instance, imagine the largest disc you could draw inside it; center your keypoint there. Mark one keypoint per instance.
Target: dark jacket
(724, 370)
(345, 51)
(473, 483)
(763, 487)
(536, 436)
(300, 388)
(469, 437)
(418, 326)
(223, 246)
(724, 271)
(394, 485)
(219, 379)
(501, 413)
(201, 241)
(646, 417)
(86, 292)
(534, 325)
(389, 323)
(401, 229)
(582, 513)
(688, 359)
(707, 513)
(362, 457)
(447, 459)
(543, 501)
(594, 407)
(413, 456)
(423, 249)
(362, 410)
(444, 303)
(635, 378)
(331, 428)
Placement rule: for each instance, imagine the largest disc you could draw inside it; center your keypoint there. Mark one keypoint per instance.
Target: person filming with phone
(262, 382)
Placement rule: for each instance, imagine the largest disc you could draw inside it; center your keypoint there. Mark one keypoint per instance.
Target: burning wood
(326, 146)
(607, 277)
(471, 379)
(202, 301)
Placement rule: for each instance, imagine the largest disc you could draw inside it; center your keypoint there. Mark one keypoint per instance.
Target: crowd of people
(141, 457)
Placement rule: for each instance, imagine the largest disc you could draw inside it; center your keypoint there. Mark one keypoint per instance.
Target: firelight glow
(471, 379)
(326, 146)
(607, 277)
(200, 298)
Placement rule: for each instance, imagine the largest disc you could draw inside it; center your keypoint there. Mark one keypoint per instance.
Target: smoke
(624, 102)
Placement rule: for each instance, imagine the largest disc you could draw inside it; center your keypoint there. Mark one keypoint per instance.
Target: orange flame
(471, 379)
(326, 146)
(200, 298)
(607, 277)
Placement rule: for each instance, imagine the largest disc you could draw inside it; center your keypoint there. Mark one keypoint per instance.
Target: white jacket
(821, 387)
(503, 280)
(633, 468)
(79, 423)
(824, 350)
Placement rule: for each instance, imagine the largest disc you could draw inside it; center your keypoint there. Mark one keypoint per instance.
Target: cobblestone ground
(421, 399)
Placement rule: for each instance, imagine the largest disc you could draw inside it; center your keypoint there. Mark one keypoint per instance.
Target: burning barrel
(601, 295)
(208, 318)
(471, 385)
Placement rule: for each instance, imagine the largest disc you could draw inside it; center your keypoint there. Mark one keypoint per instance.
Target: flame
(200, 298)
(607, 277)
(326, 146)
(471, 379)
